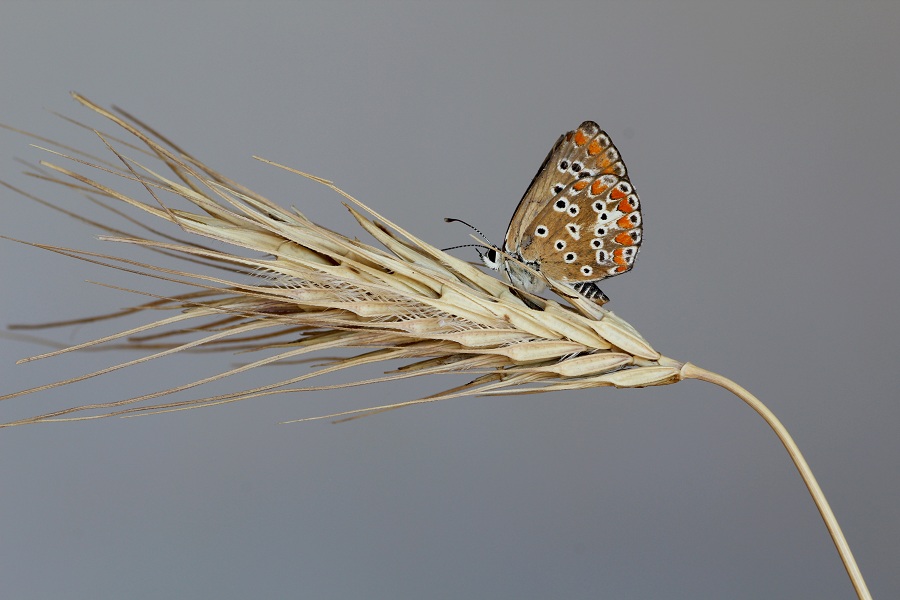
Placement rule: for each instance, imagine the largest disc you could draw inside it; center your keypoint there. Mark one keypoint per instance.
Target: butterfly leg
(589, 290)
(525, 299)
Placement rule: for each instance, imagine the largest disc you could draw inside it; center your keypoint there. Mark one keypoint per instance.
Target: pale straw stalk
(298, 288)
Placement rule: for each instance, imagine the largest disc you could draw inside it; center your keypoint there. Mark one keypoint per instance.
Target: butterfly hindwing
(589, 231)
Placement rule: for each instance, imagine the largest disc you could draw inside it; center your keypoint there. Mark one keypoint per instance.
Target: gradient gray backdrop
(763, 141)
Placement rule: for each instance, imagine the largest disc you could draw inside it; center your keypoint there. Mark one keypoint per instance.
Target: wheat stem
(691, 371)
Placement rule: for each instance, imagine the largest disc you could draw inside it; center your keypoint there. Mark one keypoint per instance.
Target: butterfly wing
(589, 225)
(537, 194)
(586, 150)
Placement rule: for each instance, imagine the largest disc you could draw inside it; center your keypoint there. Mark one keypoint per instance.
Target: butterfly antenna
(462, 246)
(476, 230)
(470, 226)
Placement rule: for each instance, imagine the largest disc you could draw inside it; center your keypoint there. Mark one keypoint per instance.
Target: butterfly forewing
(580, 219)
(577, 154)
(536, 195)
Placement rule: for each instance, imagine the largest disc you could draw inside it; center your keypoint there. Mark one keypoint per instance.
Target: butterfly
(579, 221)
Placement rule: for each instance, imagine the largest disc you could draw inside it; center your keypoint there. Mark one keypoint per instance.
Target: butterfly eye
(602, 256)
(598, 206)
(586, 270)
(573, 210)
(570, 257)
(558, 188)
(540, 231)
(603, 216)
(561, 205)
(577, 166)
(596, 243)
(491, 259)
(601, 231)
(563, 165)
(560, 244)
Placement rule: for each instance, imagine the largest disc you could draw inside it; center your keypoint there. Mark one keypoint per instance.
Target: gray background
(763, 141)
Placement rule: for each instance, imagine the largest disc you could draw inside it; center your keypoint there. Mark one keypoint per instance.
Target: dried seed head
(316, 290)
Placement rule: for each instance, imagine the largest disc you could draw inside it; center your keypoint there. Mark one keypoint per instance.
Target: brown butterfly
(578, 222)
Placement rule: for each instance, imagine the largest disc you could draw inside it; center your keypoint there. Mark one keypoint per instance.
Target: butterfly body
(579, 221)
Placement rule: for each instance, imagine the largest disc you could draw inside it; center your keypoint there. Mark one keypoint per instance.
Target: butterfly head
(521, 274)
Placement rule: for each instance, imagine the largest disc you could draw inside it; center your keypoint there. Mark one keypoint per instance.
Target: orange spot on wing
(580, 138)
(580, 185)
(625, 222)
(625, 206)
(597, 187)
(594, 148)
(613, 168)
(624, 239)
(621, 268)
(617, 194)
